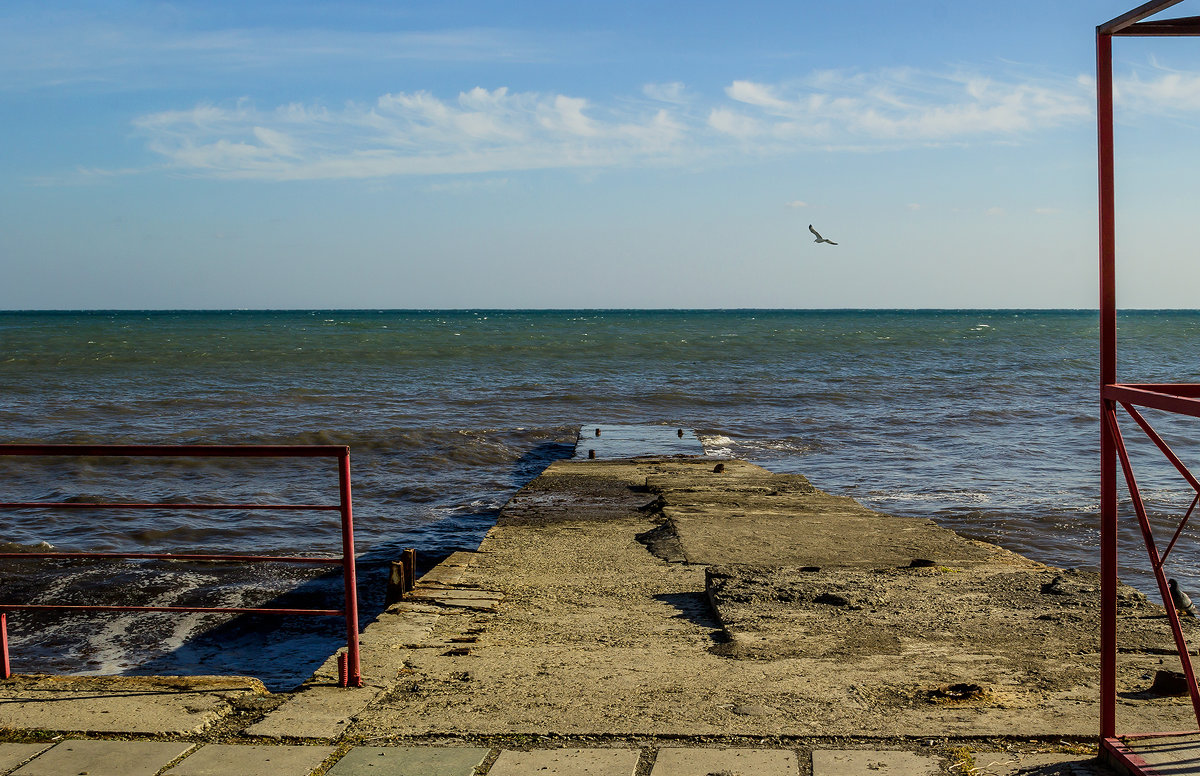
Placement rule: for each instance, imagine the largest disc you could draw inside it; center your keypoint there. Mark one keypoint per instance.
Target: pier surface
(686, 616)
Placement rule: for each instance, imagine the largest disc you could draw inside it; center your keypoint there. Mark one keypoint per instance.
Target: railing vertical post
(410, 568)
(1108, 376)
(350, 578)
(4, 645)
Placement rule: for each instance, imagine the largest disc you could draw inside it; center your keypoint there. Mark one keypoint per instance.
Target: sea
(985, 421)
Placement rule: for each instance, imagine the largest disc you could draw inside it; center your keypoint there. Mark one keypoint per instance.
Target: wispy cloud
(673, 92)
(863, 110)
(498, 130)
(408, 133)
(161, 47)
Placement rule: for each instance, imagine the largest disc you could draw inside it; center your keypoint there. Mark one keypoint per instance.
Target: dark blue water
(983, 420)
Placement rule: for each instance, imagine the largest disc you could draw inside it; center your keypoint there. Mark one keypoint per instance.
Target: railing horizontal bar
(213, 609)
(1170, 398)
(185, 451)
(174, 556)
(151, 505)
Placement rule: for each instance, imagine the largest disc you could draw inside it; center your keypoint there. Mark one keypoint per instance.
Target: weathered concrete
(105, 758)
(122, 704)
(252, 760)
(859, 762)
(607, 441)
(322, 709)
(1169, 754)
(12, 755)
(567, 762)
(676, 761)
(841, 636)
(662, 598)
(410, 761)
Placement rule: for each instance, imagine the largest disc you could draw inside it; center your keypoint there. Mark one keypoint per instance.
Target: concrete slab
(1169, 754)
(105, 758)
(610, 441)
(728, 762)
(318, 711)
(409, 761)
(864, 762)
(1039, 764)
(321, 708)
(566, 762)
(121, 704)
(252, 760)
(13, 755)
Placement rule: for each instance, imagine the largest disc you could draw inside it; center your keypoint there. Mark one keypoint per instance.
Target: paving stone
(12, 755)
(1041, 764)
(735, 762)
(121, 704)
(566, 762)
(409, 761)
(105, 758)
(252, 760)
(865, 762)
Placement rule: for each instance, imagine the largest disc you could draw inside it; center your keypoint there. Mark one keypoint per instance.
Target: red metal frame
(1180, 399)
(350, 676)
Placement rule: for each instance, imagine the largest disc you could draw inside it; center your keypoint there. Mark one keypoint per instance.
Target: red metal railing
(1179, 399)
(349, 667)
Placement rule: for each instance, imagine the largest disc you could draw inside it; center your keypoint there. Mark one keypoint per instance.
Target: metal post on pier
(353, 675)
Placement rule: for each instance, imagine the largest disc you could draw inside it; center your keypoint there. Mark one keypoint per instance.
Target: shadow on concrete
(693, 607)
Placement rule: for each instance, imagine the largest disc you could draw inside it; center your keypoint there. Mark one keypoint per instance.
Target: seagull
(1180, 598)
(819, 239)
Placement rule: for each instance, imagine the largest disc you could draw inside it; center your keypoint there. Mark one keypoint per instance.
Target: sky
(464, 154)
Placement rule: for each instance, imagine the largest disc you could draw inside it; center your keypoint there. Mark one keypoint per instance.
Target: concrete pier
(669, 616)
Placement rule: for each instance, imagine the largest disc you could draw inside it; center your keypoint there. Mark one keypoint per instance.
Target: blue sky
(550, 154)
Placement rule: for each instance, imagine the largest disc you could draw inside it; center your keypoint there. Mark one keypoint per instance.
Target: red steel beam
(153, 505)
(216, 609)
(1156, 564)
(1182, 27)
(182, 451)
(1155, 399)
(1162, 445)
(172, 556)
(353, 675)
(1114, 26)
(5, 670)
(1108, 375)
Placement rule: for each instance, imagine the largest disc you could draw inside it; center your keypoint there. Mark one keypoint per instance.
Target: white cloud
(860, 109)
(498, 130)
(413, 133)
(797, 203)
(669, 92)
(1161, 93)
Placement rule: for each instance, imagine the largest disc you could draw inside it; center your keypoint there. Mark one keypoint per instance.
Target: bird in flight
(819, 239)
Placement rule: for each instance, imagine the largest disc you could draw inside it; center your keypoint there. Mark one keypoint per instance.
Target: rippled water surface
(983, 420)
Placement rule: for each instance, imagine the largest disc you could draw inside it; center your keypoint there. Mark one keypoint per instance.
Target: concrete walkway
(658, 617)
(150, 758)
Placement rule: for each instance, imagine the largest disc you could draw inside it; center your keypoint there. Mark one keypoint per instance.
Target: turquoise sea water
(983, 420)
